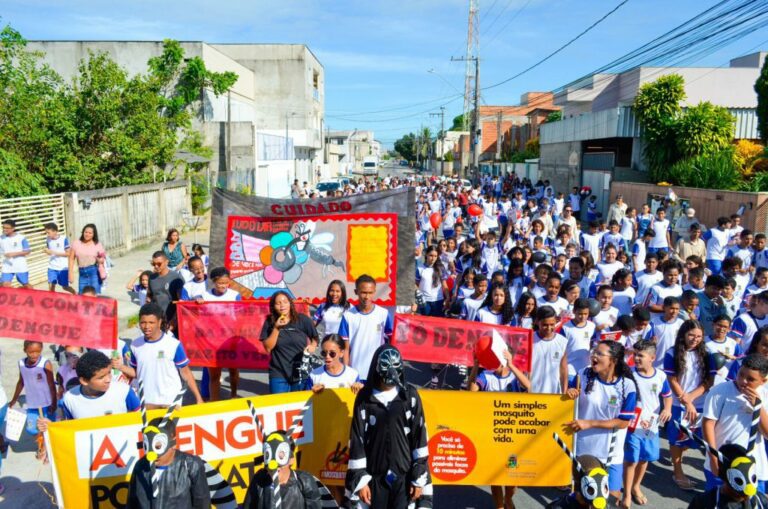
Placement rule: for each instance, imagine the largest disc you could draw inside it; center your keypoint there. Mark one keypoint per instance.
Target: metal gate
(31, 214)
(600, 182)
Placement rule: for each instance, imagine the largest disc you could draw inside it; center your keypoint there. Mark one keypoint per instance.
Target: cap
(690, 212)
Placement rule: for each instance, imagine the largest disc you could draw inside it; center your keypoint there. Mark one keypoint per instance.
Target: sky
(378, 54)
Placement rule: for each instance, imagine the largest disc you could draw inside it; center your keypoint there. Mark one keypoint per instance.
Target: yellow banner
(474, 439)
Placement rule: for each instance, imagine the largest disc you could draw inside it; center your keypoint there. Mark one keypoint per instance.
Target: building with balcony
(264, 133)
(599, 138)
(345, 151)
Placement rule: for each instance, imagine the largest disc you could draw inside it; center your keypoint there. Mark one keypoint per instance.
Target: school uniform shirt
(451, 215)
(489, 215)
(13, 244)
(591, 242)
(545, 363)
(744, 327)
(707, 311)
(526, 322)
(732, 414)
(229, 295)
(607, 270)
(665, 334)
(742, 282)
(661, 291)
(489, 381)
(732, 307)
(429, 291)
(491, 256)
(660, 230)
(560, 305)
(36, 387)
(58, 245)
(627, 229)
(157, 365)
(644, 281)
(643, 223)
(639, 251)
(638, 334)
(575, 200)
(623, 300)
(717, 243)
(538, 291)
(320, 375)
(727, 346)
(470, 307)
(194, 289)
(604, 402)
(66, 373)
(760, 259)
(328, 318)
(118, 399)
(650, 388)
(691, 378)
(743, 253)
(579, 343)
(485, 315)
(615, 239)
(606, 317)
(365, 332)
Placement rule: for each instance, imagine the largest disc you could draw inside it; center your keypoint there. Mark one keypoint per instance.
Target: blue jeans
(715, 266)
(281, 386)
(434, 308)
(89, 276)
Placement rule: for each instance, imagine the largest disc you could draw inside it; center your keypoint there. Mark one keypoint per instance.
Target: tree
(554, 116)
(458, 123)
(657, 107)
(704, 130)
(761, 88)
(406, 147)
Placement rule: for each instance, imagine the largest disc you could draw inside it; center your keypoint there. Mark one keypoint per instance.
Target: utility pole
(441, 138)
(498, 135)
(229, 132)
(474, 129)
(473, 51)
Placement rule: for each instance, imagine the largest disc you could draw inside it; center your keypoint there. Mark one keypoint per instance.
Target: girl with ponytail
(607, 396)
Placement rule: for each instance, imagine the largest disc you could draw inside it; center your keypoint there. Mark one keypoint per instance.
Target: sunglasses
(327, 353)
(157, 264)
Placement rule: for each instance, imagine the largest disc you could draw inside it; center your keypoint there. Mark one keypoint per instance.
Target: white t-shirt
(645, 282)
(688, 380)
(578, 345)
(157, 365)
(650, 388)
(639, 252)
(13, 244)
(489, 381)
(545, 364)
(607, 270)
(591, 243)
(228, 296)
(665, 334)
(732, 414)
(660, 291)
(717, 243)
(328, 318)
(365, 333)
(729, 347)
(470, 307)
(346, 378)
(194, 289)
(605, 402)
(560, 305)
(118, 399)
(660, 229)
(431, 293)
(623, 300)
(607, 317)
(744, 327)
(58, 245)
(485, 315)
(627, 228)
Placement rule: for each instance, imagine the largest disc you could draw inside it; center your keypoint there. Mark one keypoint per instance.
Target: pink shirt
(86, 253)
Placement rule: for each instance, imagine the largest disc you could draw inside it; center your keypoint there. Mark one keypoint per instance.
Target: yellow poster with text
(475, 439)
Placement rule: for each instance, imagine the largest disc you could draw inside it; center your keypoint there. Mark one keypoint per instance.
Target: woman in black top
(286, 335)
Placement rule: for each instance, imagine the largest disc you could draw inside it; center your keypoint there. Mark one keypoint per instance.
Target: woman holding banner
(286, 335)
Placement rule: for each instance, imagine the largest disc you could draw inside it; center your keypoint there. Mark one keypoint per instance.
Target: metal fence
(30, 214)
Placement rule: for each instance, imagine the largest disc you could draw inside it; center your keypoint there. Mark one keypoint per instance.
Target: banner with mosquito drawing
(302, 255)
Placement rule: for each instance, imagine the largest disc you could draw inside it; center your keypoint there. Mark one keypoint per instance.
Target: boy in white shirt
(664, 329)
(158, 359)
(579, 333)
(642, 443)
(717, 244)
(15, 249)
(549, 362)
(364, 327)
(660, 226)
(729, 413)
(57, 248)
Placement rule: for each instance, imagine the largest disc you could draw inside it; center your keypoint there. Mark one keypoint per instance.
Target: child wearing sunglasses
(334, 373)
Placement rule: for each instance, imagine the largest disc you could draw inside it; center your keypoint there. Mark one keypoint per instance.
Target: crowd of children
(654, 331)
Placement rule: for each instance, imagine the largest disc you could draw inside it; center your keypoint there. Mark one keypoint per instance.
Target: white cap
(690, 212)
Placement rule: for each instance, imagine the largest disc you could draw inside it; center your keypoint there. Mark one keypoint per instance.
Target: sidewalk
(28, 483)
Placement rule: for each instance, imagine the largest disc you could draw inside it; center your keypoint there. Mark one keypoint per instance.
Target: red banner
(226, 334)
(60, 318)
(450, 341)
